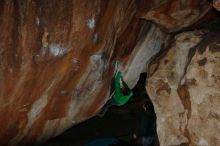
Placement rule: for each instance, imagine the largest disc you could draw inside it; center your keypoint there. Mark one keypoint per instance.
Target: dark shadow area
(119, 122)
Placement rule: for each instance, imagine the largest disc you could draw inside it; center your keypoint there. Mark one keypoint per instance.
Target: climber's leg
(148, 124)
(106, 107)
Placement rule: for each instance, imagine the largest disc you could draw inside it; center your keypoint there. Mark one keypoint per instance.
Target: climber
(148, 124)
(120, 95)
(147, 135)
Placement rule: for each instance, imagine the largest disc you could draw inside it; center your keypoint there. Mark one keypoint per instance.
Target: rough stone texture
(151, 44)
(216, 4)
(57, 58)
(174, 15)
(57, 62)
(185, 91)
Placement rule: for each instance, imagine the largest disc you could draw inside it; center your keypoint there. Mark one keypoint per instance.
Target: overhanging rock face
(57, 58)
(57, 61)
(173, 15)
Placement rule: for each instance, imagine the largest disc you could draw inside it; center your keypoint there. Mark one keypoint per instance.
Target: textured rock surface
(174, 15)
(216, 4)
(57, 62)
(151, 44)
(185, 91)
(57, 59)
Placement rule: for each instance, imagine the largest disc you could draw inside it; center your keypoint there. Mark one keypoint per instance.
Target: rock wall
(216, 4)
(185, 90)
(174, 15)
(57, 59)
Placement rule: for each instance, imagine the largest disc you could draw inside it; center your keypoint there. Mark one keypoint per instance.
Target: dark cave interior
(122, 123)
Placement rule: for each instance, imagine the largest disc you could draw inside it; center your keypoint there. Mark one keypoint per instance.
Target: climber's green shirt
(119, 97)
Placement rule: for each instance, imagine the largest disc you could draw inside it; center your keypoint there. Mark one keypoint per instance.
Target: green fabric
(119, 97)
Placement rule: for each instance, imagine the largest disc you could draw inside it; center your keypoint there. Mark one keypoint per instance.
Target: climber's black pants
(105, 108)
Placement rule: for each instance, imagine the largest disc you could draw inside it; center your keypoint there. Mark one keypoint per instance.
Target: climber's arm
(125, 89)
